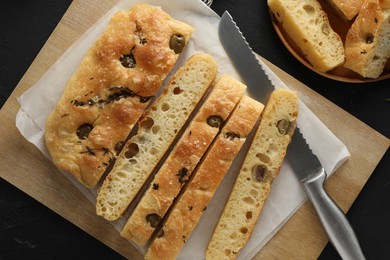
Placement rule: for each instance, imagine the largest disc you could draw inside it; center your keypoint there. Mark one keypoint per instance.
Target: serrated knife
(304, 163)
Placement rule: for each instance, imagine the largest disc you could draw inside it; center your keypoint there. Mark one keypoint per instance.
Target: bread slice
(185, 214)
(308, 26)
(252, 187)
(111, 88)
(181, 162)
(347, 9)
(367, 44)
(158, 128)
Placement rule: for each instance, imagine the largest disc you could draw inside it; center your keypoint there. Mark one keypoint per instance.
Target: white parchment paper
(286, 194)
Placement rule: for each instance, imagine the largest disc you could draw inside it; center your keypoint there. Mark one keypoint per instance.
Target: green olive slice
(258, 172)
(84, 130)
(283, 126)
(177, 43)
(153, 219)
(128, 60)
(215, 121)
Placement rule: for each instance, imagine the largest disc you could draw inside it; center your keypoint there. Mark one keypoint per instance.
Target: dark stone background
(29, 230)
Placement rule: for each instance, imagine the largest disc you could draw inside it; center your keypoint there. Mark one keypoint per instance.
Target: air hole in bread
(263, 157)
(147, 122)
(249, 200)
(248, 215)
(309, 9)
(375, 58)
(132, 150)
(177, 91)
(165, 107)
(228, 252)
(325, 29)
(244, 230)
(112, 204)
(153, 151)
(254, 193)
(172, 116)
(133, 161)
(121, 175)
(234, 235)
(156, 129)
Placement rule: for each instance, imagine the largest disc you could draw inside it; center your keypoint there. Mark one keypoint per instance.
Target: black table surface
(29, 230)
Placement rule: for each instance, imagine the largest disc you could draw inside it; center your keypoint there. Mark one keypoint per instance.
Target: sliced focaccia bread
(367, 45)
(181, 162)
(158, 128)
(111, 88)
(260, 167)
(308, 26)
(185, 214)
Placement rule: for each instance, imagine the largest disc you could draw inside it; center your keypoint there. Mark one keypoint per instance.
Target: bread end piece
(110, 90)
(252, 187)
(308, 26)
(367, 45)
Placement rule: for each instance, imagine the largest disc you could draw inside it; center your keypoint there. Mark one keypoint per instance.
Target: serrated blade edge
(244, 59)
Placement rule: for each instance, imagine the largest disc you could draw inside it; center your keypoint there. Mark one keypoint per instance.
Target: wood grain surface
(302, 237)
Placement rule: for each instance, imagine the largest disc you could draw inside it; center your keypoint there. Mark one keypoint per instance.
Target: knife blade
(304, 163)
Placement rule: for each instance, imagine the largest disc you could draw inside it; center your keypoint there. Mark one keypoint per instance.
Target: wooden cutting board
(302, 237)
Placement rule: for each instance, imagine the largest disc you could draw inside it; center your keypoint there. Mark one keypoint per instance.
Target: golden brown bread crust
(253, 184)
(110, 90)
(367, 44)
(181, 162)
(185, 215)
(347, 9)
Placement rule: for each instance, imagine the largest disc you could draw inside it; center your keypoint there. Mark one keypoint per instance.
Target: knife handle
(334, 221)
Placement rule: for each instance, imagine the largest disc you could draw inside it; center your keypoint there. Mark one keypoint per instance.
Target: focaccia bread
(186, 213)
(346, 9)
(109, 91)
(308, 26)
(158, 128)
(260, 167)
(367, 45)
(182, 160)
